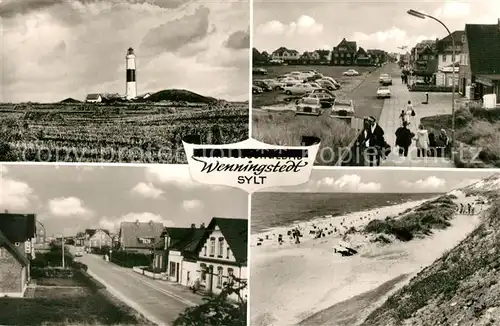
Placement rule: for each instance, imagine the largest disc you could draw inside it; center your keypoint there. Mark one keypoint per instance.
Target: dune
(310, 284)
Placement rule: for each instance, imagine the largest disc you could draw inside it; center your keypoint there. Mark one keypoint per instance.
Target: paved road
(440, 103)
(159, 301)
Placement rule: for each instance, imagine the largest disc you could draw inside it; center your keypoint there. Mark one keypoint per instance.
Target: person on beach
(422, 139)
(404, 139)
(461, 208)
(280, 239)
(469, 208)
(410, 113)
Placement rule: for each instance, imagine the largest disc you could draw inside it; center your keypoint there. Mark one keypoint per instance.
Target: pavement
(439, 103)
(159, 301)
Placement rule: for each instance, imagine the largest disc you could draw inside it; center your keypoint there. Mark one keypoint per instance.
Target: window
(230, 272)
(205, 251)
(221, 248)
(342, 55)
(444, 57)
(228, 254)
(212, 247)
(336, 55)
(348, 55)
(463, 39)
(336, 61)
(220, 276)
(424, 57)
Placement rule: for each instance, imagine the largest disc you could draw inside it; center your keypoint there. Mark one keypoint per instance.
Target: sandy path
(312, 280)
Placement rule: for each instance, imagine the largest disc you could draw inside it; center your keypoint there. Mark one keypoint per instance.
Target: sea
(277, 209)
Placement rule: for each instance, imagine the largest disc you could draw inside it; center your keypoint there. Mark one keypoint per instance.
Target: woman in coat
(422, 139)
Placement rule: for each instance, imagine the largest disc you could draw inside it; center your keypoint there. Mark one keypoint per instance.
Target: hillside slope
(180, 95)
(462, 287)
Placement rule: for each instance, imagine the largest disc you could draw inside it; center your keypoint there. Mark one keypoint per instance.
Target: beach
(313, 282)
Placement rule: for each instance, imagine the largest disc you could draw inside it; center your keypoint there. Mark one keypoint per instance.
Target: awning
(484, 80)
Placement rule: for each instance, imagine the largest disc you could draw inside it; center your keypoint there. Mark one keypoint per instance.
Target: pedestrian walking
(404, 139)
(402, 117)
(402, 79)
(469, 208)
(422, 139)
(375, 142)
(461, 208)
(410, 113)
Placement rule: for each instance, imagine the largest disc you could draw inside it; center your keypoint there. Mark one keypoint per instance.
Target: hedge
(52, 259)
(130, 259)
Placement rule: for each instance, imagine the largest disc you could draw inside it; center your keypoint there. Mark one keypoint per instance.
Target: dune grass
(420, 221)
(477, 131)
(286, 129)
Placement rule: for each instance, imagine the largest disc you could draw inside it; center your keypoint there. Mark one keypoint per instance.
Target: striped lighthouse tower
(131, 84)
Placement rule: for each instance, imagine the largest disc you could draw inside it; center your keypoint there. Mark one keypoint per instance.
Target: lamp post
(423, 16)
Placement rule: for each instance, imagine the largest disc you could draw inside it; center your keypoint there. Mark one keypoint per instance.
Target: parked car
(309, 106)
(259, 71)
(315, 85)
(299, 89)
(342, 108)
(262, 84)
(336, 83)
(325, 83)
(298, 75)
(350, 72)
(256, 90)
(325, 99)
(385, 80)
(289, 81)
(383, 92)
(79, 252)
(274, 84)
(322, 91)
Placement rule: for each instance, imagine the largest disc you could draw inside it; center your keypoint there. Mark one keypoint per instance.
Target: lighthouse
(131, 91)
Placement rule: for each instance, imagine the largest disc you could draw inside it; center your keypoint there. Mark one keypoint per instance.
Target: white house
(285, 54)
(215, 255)
(94, 98)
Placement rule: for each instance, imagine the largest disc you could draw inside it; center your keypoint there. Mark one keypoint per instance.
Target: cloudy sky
(388, 181)
(55, 49)
(310, 25)
(69, 199)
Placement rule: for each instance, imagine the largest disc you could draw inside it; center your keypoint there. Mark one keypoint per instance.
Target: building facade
(344, 54)
(444, 49)
(140, 237)
(286, 55)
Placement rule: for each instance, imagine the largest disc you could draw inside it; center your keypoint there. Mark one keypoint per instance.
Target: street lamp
(423, 16)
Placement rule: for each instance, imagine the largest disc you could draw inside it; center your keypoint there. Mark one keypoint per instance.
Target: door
(178, 273)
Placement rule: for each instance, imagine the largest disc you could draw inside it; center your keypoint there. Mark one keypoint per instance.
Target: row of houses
(476, 62)
(211, 254)
(346, 53)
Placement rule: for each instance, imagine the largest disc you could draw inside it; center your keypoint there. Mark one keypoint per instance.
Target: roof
(235, 232)
(351, 45)
(4, 241)
(283, 49)
(457, 37)
(190, 242)
(93, 96)
(362, 51)
(18, 227)
(484, 48)
(91, 232)
(130, 232)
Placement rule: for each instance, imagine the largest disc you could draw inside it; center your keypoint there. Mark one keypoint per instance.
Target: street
(439, 103)
(158, 301)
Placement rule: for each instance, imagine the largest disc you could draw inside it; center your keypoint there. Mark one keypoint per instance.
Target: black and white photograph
(378, 247)
(100, 245)
(109, 81)
(381, 83)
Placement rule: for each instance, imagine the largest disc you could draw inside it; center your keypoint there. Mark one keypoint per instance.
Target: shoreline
(316, 284)
(352, 219)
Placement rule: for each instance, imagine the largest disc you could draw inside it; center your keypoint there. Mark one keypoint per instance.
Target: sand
(291, 283)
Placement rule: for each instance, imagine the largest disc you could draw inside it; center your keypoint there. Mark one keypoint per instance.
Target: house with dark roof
(183, 246)
(480, 62)
(362, 58)
(444, 49)
(97, 238)
(285, 55)
(14, 269)
(139, 237)
(344, 54)
(377, 57)
(93, 98)
(425, 63)
(223, 253)
(17, 236)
